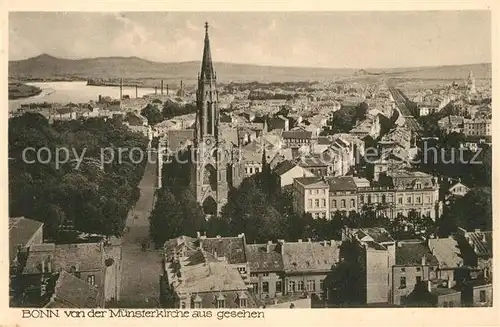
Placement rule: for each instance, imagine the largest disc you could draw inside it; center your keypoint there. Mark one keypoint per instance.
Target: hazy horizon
(359, 40)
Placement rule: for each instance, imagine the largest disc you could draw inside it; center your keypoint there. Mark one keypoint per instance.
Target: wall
(334, 196)
(411, 273)
(316, 277)
(296, 172)
(377, 276)
(488, 289)
(271, 278)
(455, 298)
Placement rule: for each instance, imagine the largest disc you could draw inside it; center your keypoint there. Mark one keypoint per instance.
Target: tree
(152, 113)
(361, 111)
(166, 218)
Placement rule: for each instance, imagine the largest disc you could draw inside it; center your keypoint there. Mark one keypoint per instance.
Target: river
(65, 92)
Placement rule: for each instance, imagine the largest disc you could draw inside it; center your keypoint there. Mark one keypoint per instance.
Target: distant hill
(48, 67)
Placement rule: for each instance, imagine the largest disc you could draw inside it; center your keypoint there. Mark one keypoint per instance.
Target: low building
(457, 189)
(451, 124)
(296, 138)
(307, 264)
(287, 171)
(199, 280)
(414, 265)
(266, 266)
(93, 263)
(477, 293)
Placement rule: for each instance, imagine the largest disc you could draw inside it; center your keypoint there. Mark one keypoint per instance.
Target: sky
(315, 39)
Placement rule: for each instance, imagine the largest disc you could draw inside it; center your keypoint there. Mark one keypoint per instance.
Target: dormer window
(242, 299)
(221, 301)
(197, 302)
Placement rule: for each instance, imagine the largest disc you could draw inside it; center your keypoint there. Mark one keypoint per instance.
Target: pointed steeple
(207, 69)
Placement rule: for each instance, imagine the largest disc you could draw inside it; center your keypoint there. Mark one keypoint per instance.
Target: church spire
(207, 69)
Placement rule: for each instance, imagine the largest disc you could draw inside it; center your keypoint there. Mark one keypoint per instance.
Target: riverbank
(20, 91)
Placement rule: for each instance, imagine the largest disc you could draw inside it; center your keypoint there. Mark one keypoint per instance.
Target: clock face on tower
(208, 141)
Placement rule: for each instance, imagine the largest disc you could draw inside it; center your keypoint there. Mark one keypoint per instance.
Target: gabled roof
(84, 256)
(232, 248)
(312, 181)
(309, 256)
(284, 167)
(411, 254)
(376, 234)
(297, 134)
(261, 260)
(21, 231)
(73, 292)
(177, 139)
(447, 252)
(482, 243)
(341, 183)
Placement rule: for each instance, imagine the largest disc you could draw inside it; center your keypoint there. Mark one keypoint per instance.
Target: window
(300, 286)
(418, 185)
(197, 304)
(257, 170)
(291, 286)
(255, 288)
(242, 270)
(323, 192)
(342, 204)
(418, 269)
(183, 305)
(309, 192)
(309, 203)
(400, 200)
(323, 203)
(311, 285)
(316, 203)
(369, 199)
(418, 199)
(321, 284)
(403, 270)
(402, 282)
(408, 199)
(361, 199)
(221, 303)
(316, 191)
(265, 287)
(91, 280)
(266, 274)
(482, 296)
(383, 198)
(353, 203)
(279, 286)
(418, 279)
(254, 275)
(243, 303)
(334, 203)
(428, 199)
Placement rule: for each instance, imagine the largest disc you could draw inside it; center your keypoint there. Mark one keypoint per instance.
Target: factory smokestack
(121, 89)
(156, 89)
(167, 88)
(161, 86)
(136, 92)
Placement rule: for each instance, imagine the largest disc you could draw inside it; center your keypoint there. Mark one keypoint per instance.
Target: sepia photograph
(249, 160)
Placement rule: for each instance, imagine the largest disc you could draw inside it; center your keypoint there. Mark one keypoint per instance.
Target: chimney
(215, 254)
(136, 92)
(156, 89)
(282, 246)
(43, 266)
(477, 230)
(77, 267)
(49, 265)
(332, 243)
(218, 236)
(181, 87)
(161, 86)
(448, 282)
(121, 89)
(300, 240)
(198, 234)
(308, 240)
(268, 247)
(429, 286)
(484, 238)
(167, 89)
(424, 261)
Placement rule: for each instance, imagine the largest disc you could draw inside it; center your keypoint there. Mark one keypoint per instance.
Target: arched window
(342, 204)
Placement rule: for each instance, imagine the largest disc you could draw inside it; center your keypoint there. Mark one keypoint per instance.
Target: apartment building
(343, 194)
(477, 127)
(311, 195)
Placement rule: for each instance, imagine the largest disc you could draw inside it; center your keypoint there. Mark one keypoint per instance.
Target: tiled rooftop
(310, 256)
(232, 248)
(261, 260)
(73, 292)
(411, 254)
(21, 230)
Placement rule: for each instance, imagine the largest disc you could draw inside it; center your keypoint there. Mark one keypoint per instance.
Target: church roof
(207, 69)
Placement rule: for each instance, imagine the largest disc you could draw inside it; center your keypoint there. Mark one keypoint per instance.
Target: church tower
(471, 83)
(209, 172)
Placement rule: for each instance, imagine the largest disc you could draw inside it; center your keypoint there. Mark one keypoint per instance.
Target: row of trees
(84, 192)
(343, 120)
(169, 110)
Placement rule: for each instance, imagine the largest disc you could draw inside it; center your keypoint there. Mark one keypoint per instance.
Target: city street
(141, 267)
